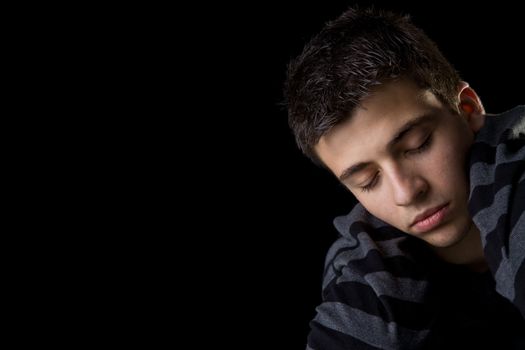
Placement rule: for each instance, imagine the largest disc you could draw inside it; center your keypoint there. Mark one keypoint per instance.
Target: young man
(433, 254)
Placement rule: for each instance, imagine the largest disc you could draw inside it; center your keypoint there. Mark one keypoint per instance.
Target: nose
(408, 188)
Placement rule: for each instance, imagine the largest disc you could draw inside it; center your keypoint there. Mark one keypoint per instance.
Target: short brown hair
(340, 66)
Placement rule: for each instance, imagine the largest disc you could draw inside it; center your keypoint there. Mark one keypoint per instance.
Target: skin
(422, 170)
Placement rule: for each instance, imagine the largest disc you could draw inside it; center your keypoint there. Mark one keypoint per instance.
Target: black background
(271, 209)
(173, 131)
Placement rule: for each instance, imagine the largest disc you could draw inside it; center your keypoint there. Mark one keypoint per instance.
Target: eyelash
(420, 149)
(370, 185)
(423, 146)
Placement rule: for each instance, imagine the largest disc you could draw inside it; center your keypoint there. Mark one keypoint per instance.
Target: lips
(430, 218)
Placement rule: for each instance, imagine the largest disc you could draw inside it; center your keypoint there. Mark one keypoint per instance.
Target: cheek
(447, 163)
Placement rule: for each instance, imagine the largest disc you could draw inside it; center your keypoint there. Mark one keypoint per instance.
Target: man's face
(402, 154)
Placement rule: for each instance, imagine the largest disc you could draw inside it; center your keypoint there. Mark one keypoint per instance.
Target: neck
(468, 251)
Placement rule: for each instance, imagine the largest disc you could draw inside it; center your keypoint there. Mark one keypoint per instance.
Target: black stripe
(519, 289)
(330, 264)
(323, 338)
(517, 204)
(514, 145)
(497, 239)
(377, 234)
(482, 152)
(411, 315)
(398, 266)
(483, 196)
(412, 264)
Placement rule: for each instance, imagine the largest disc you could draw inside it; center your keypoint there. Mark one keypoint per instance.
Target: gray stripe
(482, 173)
(502, 154)
(341, 243)
(384, 283)
(517, 243)
(389, 248)
(504, 281)
(505, 276)
(519, 129)
(487, 218)
(367, 328)
(358, 214)
(343, 223)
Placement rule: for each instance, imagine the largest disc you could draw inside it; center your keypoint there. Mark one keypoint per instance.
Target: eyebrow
(398, 136)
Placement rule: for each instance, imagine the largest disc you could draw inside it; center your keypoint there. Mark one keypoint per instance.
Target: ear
(470, 106)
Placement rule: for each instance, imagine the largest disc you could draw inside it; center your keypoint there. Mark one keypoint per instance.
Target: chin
(445, 237)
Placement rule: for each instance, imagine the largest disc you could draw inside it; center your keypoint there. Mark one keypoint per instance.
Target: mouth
(430, 218)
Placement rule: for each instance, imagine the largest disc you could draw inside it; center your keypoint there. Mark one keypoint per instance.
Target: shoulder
(371, 282)
(497, 189)
(507, 125)
(373, 253)
(363, 244)
(496, 158)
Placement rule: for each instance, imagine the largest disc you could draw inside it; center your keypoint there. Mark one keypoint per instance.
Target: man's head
(358, 51)
(380, 107)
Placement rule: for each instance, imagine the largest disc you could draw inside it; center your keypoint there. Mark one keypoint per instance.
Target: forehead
(374, 123)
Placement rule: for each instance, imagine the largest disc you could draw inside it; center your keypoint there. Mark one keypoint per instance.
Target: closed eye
(422, 147)
(371, 184)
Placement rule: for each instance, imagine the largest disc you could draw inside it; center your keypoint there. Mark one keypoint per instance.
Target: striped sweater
(383, 289)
